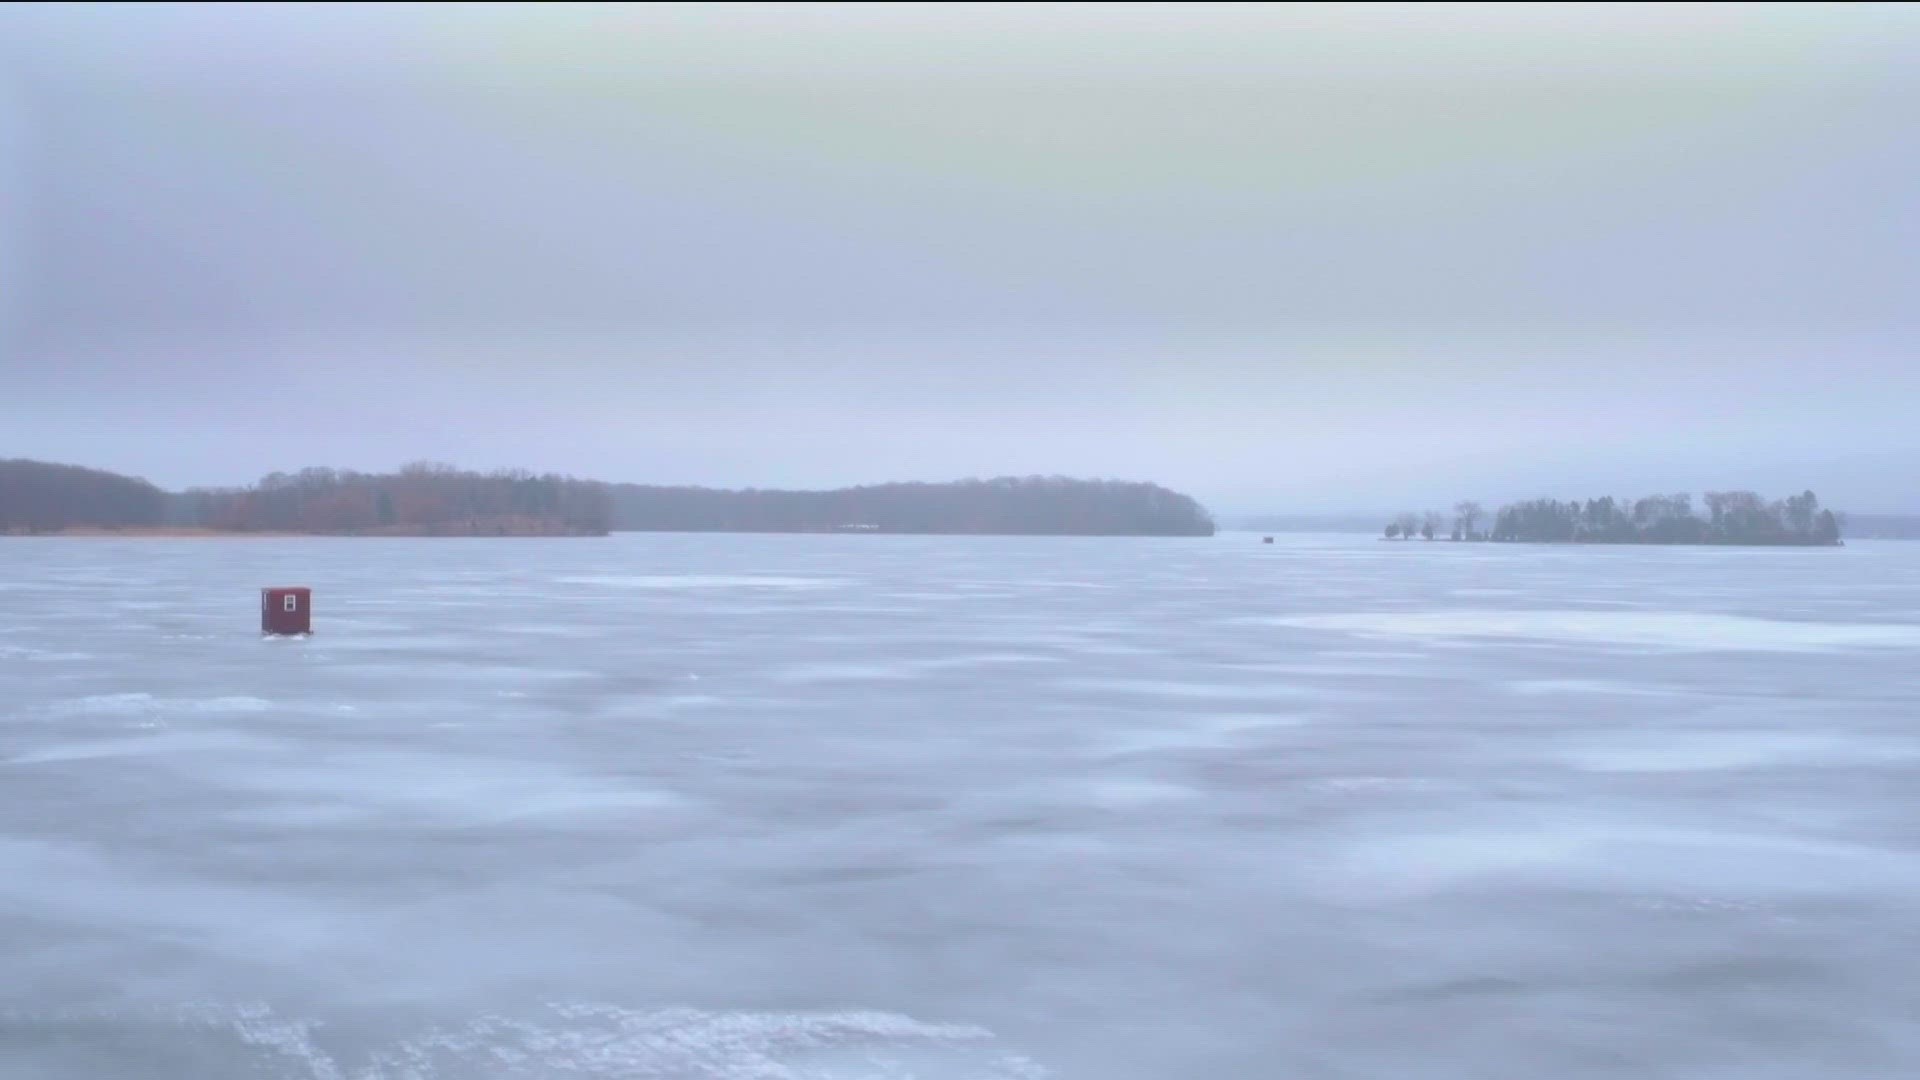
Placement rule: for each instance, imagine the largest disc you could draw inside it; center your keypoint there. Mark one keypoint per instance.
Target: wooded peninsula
(38, 498)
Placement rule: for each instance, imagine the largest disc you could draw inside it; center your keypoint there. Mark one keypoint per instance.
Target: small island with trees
(1733, 518)
(39, 498)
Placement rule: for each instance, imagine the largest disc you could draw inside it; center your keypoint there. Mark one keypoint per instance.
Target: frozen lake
(872, 808)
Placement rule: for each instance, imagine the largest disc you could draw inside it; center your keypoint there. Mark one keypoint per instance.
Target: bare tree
(1734, 517)
(1409, 525)
(1465, 516)
(1431, 524)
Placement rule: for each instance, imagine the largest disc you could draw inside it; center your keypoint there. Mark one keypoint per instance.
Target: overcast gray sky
(1300, 258)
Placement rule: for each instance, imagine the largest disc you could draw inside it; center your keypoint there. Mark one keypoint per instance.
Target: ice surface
(1658, 629)
(554, 1040)
(698, 581)
(140, 704)
(872, 808)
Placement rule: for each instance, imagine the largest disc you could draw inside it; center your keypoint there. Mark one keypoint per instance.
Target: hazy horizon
(460, 777)
(1287, 260)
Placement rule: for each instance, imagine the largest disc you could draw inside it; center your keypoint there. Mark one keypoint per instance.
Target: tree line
(439, 500)
(37, 496)
(1032, 506)
(425, 499)
(420, 499)
(1732, 517)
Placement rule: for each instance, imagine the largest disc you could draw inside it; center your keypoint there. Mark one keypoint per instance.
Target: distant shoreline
(430, 500)
(1629, 543)
(183, 532)
(166, 532)
(90, 532)
(1734, 519)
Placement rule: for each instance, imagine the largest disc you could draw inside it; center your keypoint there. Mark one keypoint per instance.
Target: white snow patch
(1204, 731)
(1730, 750)
(598, 1042)
(610, 1042)
(21, 652)
(142, 704)
(81, 751)
(1679, 630)
(700, 581)
(1372, 785)
(843, 671)
(1598, 851)
(1199, 690)
(1126, 791)
(106, 705)
(1585, 687)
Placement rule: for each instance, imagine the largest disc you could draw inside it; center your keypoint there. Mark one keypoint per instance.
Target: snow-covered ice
(873, 808)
